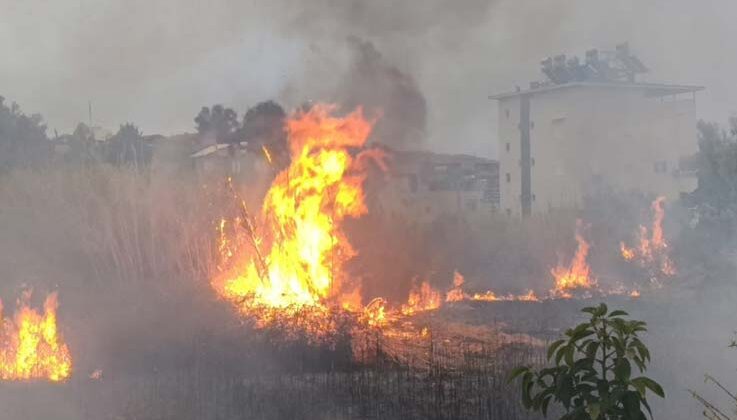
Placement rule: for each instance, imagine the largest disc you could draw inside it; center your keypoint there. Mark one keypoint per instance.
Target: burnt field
(458, 370)
(455, 371)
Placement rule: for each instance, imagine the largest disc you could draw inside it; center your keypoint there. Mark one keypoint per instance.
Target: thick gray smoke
(157, 63)
(373, 83)
(368, 45)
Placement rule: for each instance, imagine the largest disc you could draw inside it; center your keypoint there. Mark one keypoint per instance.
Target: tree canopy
(220, 123)
(715, 198)
(127, 147)
(263, 129)
(23, 139)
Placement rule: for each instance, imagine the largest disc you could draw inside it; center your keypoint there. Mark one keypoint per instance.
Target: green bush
(592, 374)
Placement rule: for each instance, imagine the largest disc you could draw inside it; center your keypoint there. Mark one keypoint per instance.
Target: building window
(509, 177)
(509, 146)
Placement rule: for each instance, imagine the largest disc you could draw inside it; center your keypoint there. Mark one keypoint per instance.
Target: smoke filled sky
(155, 63)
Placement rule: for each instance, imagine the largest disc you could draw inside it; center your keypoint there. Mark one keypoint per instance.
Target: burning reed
(31, 347)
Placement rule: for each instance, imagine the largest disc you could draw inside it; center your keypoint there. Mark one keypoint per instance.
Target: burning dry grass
(577, 275)
(457, 294)
(132, 248)
(30, 345)
(651, 250)
(127, 252)
(130, 253)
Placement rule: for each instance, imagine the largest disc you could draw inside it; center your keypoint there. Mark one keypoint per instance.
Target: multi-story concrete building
(593, 126)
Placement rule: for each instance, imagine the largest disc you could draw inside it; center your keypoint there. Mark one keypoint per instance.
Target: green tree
(715, 199)
(263, 129)
(127, 147)
(717, 165)
(83, 147)
(220, 123)
(592, 373)
(23, 139)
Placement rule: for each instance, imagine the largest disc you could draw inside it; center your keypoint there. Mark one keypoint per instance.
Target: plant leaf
(516, 372)
(622, 369)
(594, 410)
(553, 346)
(631, 401)
(650, 384)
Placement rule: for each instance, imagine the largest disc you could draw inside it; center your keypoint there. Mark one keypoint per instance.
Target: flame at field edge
(31, 347)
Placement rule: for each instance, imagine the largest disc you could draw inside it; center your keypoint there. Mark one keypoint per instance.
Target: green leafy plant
(592, 374)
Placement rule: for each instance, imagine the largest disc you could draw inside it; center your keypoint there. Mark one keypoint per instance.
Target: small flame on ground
(651, 249)
(96, 375)
(374, 315)
(456, 293)
(575, 276)
(627, 253)
(490, 296)
(422, 298)
(30, 345)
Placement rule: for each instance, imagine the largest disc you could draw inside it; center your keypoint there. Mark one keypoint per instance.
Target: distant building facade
(422, 186)
(233, 160)
(593, 126)
(418, 186)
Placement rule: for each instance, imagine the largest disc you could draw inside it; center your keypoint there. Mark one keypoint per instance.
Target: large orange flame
(576, 275)
(284, 266)
(30, 345)
(297, 245)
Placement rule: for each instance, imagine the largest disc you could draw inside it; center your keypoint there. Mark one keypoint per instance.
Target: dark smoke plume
(377, 85)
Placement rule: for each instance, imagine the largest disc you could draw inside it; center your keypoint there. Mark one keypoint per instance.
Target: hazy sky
(155, 63)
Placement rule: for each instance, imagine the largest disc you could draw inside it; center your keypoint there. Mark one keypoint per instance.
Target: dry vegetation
(130, 253)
